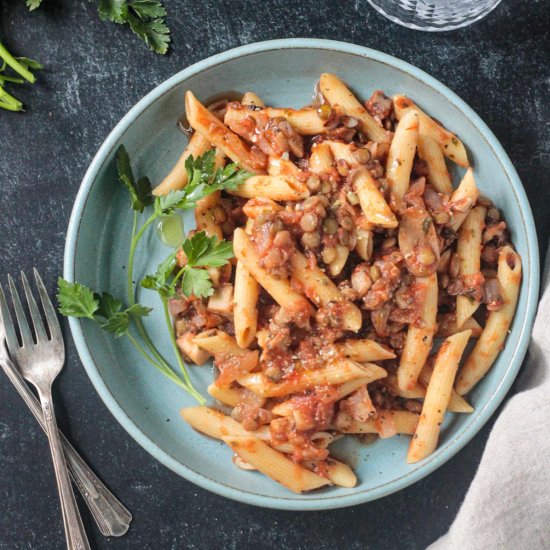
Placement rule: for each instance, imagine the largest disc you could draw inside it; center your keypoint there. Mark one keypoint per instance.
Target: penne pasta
(363, 351)
(430, 151)
(405, 422)
(286, 408)
(177, 178)
(337, 372)
(245, 312)
(375, 208)
(205, 215)
(322, 291)
(494, 334)
(457, 403)
(284, 168)
(276, 188)
(225, 394)
(437, 397)
(341, 99)
(275, 464)
(418, 342)
(251, 99)
(465, 195)
(401, 154)
(216, 342)
(217, 133)
(280, 289)
(452, 147)
(469, 258)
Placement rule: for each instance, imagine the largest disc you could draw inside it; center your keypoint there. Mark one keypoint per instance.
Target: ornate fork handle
(112, 518)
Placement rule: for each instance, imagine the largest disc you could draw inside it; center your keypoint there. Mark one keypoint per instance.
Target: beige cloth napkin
(508, 503)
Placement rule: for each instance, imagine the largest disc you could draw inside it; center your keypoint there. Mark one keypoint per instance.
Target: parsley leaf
(29, 63)
(33, 4)
(203, 179)
(145, 18)
(202, 250)
(196, 282)
(113, 10)
(140, 191)
(76, 300)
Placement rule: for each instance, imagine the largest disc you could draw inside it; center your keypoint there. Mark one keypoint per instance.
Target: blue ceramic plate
(282, 72)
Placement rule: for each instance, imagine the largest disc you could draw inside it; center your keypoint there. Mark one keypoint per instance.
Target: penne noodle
(245, 312)
(337, 372)
(447, 326)
(438, 175)
(494, 334)
(322, 291)
(280, 289)
(205, 218)
(466, 194)
(306, 121)
(452, 147)
(276, 188)
(405, 422)
(274, 464)
(212, 422)
(254, 207)
(216, 342)
(418, 342)
(363, 351)
(225, 394)
(469, 257)
(251, 99)
(284, 168)
(339, 473)
(438, 394)
(177, 178)
(375, 208)
(418, 392)
(321, 159)
(340, 98)
(343, 151)
(286, 408)
(457, 403)
(401, 154)
(217, 133)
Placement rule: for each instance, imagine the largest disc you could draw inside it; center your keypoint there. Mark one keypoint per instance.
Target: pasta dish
(368, 293)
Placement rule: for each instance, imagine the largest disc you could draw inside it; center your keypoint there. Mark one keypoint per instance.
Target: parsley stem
(174, 343)
(166, 371)
(136, 237)
(16, 65)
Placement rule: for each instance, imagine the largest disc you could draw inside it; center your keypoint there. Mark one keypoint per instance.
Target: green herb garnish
(146, 18)
(20, 66)
(201, 251)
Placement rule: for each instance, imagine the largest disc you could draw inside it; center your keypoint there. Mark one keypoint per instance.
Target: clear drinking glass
(434, 15)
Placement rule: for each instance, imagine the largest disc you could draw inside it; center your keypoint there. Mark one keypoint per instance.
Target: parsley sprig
(78, 300)
(146, 18)
(201, 252)
(21, 71)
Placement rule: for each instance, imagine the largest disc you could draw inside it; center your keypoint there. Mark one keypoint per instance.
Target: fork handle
(112, 517)
(74, 530)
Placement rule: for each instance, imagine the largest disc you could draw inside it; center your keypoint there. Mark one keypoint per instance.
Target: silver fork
(111, 516)
(40, 364)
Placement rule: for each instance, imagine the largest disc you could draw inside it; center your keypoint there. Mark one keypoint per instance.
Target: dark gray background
(95, 72)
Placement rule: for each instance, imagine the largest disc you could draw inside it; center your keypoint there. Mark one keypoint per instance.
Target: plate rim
(460, 439)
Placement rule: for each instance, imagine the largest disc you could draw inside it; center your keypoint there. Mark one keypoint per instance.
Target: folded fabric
(508, 503)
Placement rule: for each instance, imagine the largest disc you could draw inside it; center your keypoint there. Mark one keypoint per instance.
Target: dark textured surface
(95, 73)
